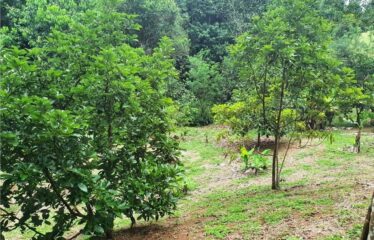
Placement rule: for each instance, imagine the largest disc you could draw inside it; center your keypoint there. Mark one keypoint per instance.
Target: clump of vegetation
(253, 160)
(290, 81)
(84, 132)
(92, 93)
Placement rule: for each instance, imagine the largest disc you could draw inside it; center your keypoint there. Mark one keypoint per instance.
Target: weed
(218, 231)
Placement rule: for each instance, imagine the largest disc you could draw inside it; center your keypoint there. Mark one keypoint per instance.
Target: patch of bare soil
(190, 226)
(181, 229)
(319, 225)
(223, 176)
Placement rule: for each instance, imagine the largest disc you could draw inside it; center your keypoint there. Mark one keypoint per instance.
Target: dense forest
(221, 119)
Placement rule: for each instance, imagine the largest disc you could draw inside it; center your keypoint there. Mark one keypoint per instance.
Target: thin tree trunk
(109, 234)
(358, 136)
(109, 224)
(110, 133)
(275, 166)
(368, 229)
(263, 105)
(358, 140)
(274, 171)
(284, 157)
(133, 221)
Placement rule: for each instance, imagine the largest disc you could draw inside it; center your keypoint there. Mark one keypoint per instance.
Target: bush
(253, 160)
(236, 116)
(84, 128)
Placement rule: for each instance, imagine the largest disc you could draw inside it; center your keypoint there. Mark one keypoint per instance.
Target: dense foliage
(283, 65)
(294, 78)
(84, 125)
(91, 90)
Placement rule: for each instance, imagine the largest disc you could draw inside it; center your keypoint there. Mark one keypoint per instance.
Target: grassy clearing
(201, 155)
(251, 211)
(328, 202)
(324, 195)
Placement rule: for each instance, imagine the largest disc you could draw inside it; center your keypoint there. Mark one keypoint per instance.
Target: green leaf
(83, 187)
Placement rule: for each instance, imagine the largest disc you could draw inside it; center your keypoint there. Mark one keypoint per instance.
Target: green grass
(218, 231)
(249, 209)
(259, 206)
(293, 238)
(328, 163)
(203, 153)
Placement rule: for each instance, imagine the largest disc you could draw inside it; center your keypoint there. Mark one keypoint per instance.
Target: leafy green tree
(284, 61)
(5, 6)
(31, 22)
(207, 85)
(348, 16)
(238, 116)
(158, 19)
(352, 97)
(367, 20)
(212, 25)
(356, 92)
(84, 126)
(353, 45)
(343, 14)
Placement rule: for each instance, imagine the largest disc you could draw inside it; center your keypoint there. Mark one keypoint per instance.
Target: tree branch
(75, 235)
(23, 223)
(57, 192)
(285, 155)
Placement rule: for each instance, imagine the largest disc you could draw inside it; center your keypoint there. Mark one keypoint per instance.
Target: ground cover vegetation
(104, 107)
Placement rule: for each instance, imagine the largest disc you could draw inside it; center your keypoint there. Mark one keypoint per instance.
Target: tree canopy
(92, 93)
(84, 124)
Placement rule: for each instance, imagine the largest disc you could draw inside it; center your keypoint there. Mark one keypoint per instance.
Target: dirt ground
(190, 224)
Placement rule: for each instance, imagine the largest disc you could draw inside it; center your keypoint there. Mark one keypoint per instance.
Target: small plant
(184, 134)
(253, 160)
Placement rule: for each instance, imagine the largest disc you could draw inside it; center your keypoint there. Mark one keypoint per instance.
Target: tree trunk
(358, 141)
(368, 229)
(263, 98)
(258, 139)
(274, 171)
(358, 136)
(109, 234)
(108, 226)
(330, 118)
(133, 221)
(277, 134)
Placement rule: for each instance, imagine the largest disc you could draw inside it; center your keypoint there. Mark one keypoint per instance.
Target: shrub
(85, 128)
(253, 160)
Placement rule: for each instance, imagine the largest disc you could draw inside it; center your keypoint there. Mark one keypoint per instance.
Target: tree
(158, 19)
(213, 25)
(284, 61)
(207, 86)
(238, 116)
(5, 5)
(30, 24)
(355, 49)
(357, 96)
(343, 14)
(84, 126)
